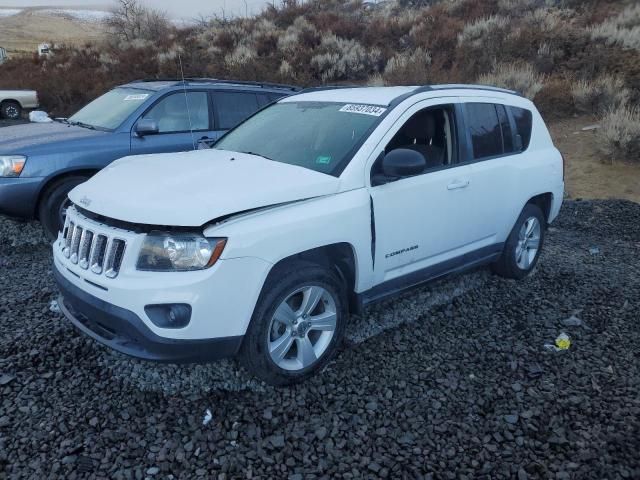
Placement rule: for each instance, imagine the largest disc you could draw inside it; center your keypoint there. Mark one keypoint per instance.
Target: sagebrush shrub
(623, 29)
(478, 32)
(409, 68)
(602, 94)
(520, 77)
(619, 134)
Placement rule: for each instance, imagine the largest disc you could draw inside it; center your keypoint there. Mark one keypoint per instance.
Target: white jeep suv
(313, 207)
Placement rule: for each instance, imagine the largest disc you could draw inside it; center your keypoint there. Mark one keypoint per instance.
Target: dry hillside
(22, 32)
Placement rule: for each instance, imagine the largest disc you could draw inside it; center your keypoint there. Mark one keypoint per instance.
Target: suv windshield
(320, 136)
(111, 109)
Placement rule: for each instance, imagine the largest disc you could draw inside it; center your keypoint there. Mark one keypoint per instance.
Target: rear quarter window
(484, 127)
(523, 120)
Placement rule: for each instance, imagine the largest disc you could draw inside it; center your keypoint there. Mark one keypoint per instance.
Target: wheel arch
(10, 100)
(340, 257)
(544, 201)
(59, 176)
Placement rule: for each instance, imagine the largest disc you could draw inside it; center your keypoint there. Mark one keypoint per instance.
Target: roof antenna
(186, 102)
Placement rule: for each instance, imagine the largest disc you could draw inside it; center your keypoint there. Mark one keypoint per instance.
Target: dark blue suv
(41, 163)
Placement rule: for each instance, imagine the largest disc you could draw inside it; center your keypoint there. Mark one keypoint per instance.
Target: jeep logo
(85, 201)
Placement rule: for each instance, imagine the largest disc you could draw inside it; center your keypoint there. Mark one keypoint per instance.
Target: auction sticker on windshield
(140, 96)
(363, 109)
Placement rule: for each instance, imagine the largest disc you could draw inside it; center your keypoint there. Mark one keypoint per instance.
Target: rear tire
(522, 249)
(54, 202)
(289, 339)
(11, 110)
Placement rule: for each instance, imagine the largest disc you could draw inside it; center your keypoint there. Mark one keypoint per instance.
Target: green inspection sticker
(323, 159)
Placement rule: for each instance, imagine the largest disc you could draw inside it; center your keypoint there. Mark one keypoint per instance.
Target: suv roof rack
(192, 80)
(464, 86)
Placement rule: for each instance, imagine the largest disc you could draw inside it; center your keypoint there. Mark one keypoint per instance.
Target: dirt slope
(23, 32)
(587, 174)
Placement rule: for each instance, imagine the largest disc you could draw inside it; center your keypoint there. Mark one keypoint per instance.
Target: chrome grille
(89, 249)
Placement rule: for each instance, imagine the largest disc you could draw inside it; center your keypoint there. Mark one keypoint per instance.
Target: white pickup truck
(13, 102)
(312, 208)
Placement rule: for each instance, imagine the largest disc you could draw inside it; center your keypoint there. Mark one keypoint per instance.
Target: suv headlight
(179, 253)
(11, 165)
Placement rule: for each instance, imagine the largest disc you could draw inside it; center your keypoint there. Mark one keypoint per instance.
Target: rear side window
(484, 127)
(523, 120)
(234, 107)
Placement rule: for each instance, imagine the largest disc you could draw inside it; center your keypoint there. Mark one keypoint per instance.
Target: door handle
(458, 184)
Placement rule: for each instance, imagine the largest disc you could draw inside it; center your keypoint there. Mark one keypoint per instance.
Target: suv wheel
(54, 203)
(522, 250)
(11, 110)
(297, 326)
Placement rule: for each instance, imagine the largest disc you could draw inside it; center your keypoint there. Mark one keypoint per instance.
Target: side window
(523, 119)
(233, 107)
(267, 98)
(484, 127)
(505, 125)
(430, 132)
(176, 114)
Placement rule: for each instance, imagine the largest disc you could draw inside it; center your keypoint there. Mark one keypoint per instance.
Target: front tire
(11, 110)
(522, 249)
(54, 203)
(297, 326)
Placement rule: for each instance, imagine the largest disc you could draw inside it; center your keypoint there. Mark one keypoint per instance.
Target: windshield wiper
(61, 120)
(258, 155)
(82, 124)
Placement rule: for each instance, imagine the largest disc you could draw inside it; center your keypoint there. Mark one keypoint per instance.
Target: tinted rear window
(483, 124)
(523, 120)
(233, 107)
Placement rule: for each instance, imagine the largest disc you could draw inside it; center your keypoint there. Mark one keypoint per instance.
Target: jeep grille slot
(96, 260)
(114, 258)
(75, 243)
(92, 250)
(85, 247)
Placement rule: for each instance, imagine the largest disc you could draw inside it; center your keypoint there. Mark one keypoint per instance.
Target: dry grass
(597, 96)
(520, 77)
(619, 134)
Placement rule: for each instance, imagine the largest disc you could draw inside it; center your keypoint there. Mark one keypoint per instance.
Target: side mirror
(146, 126)
(403, 162)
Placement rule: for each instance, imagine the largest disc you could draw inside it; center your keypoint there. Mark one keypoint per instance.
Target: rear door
(491, 150)
(183, 120)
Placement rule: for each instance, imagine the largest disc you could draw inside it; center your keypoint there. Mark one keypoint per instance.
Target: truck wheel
(297, 325)
(11, 110)
(523, 247)
(54, 203)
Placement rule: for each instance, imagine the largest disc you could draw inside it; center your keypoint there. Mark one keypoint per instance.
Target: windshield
(111, 109)
(320, 136)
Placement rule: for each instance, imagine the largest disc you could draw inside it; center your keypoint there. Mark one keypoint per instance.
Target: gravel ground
(449, 381)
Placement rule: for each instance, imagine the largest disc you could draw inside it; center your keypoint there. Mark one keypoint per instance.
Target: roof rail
(468, 86)
(327, 87)
(191, 80)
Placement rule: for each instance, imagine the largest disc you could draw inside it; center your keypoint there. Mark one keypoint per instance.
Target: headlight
(11, 165)
(179, 252)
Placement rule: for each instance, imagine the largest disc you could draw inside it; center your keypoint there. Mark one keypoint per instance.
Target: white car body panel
(273, 211)
(212, 177)
(26, 98)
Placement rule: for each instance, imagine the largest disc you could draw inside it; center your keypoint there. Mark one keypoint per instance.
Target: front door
(184, 121)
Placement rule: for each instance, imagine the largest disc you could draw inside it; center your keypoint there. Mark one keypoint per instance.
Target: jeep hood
(192, 188)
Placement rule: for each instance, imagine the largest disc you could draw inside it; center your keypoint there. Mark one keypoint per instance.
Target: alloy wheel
(302, 327)
(528, 243)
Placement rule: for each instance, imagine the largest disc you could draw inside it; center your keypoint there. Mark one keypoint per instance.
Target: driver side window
(429, 132)
(180, 112)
